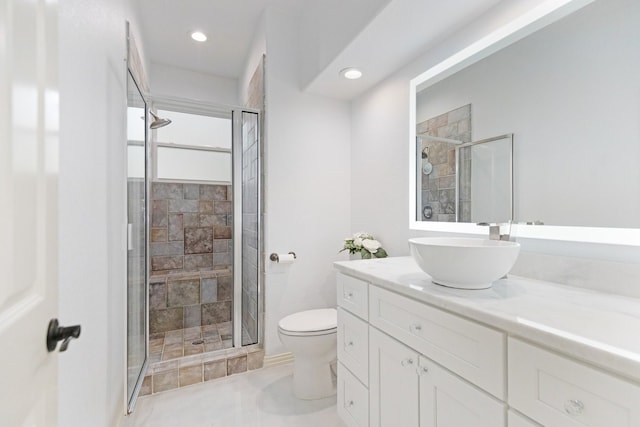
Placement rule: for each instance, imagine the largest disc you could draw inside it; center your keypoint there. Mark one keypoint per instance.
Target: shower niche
(204, 244)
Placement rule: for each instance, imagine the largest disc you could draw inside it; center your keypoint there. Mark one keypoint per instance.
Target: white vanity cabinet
(385, 359)
(407, 389)
(471, 350)
(408, 359)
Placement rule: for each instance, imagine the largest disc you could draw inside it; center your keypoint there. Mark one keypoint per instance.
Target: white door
(28, 205)
(393, 382)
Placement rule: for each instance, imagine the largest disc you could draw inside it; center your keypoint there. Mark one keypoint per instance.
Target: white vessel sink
(464, 263)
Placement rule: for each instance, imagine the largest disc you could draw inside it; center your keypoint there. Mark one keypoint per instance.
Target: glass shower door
(251, 250)
(136, 241)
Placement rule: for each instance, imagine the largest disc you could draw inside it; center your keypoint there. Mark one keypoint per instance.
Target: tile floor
(261, 398)
(180, 342)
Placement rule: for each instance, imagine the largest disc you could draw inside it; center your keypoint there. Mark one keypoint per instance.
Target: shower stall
(203, 215)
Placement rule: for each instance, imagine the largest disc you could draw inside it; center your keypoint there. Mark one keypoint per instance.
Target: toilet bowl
(311, 337)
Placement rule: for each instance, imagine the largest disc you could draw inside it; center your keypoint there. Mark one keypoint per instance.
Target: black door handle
(56, 333)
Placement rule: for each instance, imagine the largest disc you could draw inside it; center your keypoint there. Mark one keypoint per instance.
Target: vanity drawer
(473, 351)
(353, 295)
(353, 399)
(353, 344)
(556, 391)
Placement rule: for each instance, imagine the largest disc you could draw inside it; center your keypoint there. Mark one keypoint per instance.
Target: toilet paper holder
(275, 258)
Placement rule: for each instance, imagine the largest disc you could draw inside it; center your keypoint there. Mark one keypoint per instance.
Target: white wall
(257, 48)
(380, 179)
(307, 183)
(166, 80)
(92, 209)
(380, 164)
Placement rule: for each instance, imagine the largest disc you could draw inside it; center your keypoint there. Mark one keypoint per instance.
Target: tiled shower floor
(186, 342)
(185, 357)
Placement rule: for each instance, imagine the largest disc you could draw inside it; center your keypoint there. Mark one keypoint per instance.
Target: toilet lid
(310, 320)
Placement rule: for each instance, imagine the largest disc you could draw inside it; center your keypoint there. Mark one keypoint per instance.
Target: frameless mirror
(568, 91)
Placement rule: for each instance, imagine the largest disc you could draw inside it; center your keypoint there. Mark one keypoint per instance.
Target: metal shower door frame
(237, 156)
(207, 108)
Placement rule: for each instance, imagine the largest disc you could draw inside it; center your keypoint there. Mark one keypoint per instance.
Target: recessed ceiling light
(351, 73)
(199, 36)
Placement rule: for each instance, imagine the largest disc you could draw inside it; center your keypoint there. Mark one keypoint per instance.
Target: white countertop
(599, 328)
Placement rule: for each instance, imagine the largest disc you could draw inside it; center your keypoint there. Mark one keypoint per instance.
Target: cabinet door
(448, 401)
(393, 382)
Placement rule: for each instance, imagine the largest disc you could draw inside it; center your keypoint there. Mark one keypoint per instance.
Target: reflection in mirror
(570, 93)
(464, 182)
(485, 180)
(436, 142)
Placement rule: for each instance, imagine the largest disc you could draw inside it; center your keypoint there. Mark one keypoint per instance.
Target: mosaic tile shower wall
(439, 186)
(191, 280)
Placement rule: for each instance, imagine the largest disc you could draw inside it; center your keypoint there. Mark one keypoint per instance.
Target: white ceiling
(399, 33)
(395, 35)
(166, 26)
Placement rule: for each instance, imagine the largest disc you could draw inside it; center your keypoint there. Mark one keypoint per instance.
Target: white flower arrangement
(364, 244)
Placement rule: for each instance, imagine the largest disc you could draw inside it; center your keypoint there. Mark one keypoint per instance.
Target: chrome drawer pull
(416, 327)
(573, 407)
(423, 370)
(349, 404)
(348, 295)
(407, 362)
(350, 344)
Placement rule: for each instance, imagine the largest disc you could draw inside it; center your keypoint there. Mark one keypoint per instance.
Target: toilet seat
(322, 321)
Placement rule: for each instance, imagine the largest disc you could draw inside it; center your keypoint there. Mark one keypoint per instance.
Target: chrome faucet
(495, 231)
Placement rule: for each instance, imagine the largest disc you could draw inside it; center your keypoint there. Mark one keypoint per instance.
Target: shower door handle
(56, 333)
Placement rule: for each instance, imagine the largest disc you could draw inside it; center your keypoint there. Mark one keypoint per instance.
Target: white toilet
(311, 337)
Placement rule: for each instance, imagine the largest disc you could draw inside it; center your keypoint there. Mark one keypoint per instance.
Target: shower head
(157, 121)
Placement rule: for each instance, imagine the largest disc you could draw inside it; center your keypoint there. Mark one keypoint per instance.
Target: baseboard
(278, 359)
